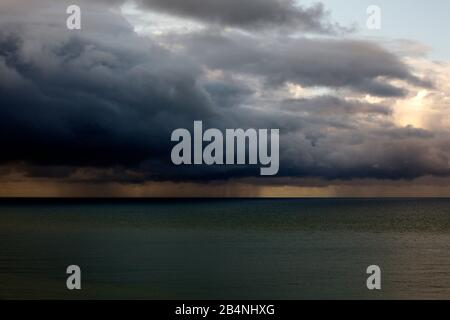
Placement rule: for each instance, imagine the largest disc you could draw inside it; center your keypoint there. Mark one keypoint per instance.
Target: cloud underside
(249, 14)
(100, 104)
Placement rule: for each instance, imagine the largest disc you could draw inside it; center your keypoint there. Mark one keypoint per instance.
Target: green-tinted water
(226, 249)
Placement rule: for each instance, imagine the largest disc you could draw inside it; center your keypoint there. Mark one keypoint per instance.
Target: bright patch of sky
(423, 21)
(156, 23)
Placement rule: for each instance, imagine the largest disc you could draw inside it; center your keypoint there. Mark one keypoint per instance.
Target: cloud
(360, 66)
(100, 104)
(249, 14)
(329, 105)
(89, 99)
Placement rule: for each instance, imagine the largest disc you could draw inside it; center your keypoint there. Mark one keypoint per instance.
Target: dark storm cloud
(108, 101)
(228, 93)
(357, 65)
(82, 100)
(249, 14)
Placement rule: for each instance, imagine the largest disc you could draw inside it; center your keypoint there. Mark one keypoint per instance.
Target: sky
(423, 21)
(90, 112)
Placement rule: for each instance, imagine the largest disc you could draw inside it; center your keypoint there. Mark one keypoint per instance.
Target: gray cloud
(249, 14)
(329, 105)
(109, 101)
(361, 66)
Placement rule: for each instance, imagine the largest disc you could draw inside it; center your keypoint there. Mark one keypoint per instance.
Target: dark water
(226, 249)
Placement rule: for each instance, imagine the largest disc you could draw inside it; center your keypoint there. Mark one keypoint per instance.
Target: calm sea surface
(226, 249)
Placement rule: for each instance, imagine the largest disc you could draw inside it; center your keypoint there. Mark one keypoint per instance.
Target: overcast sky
(360, 112)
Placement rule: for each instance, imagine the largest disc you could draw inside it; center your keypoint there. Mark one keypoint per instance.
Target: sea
(227, 249)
